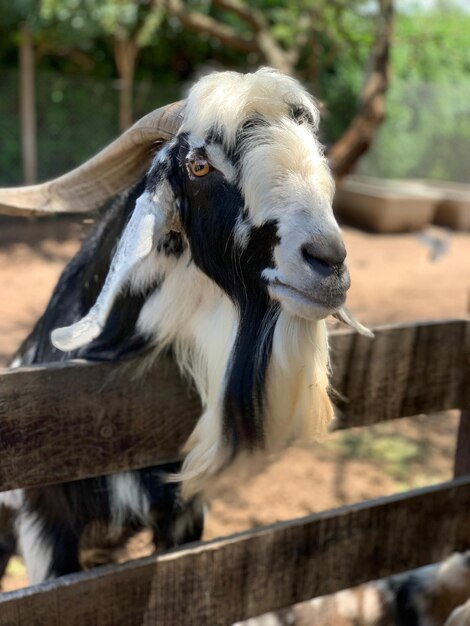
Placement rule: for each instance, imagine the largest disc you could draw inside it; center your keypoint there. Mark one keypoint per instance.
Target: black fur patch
(244, 402)
(119, 338)
(301, 114)
(63, 511)
(80, 282)
(171, 244)
(176, 522)
(405, 588)
(210, 208)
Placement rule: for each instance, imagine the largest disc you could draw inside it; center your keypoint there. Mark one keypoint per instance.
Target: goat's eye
(200, 167)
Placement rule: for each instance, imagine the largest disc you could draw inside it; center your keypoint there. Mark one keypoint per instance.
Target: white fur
(284, 170)
(459, 616)
(17, 362)
(284, 177)
(455, 571)
(127, 498)
(12, 499)
(134, 247)
(372, 604)
(35, 548)
(202, 325)
(299, 409)
(348, 602)
(224, 101)
(218, 159)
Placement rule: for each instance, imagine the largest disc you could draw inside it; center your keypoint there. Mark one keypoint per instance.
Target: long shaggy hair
(227, 253)
(203, 254)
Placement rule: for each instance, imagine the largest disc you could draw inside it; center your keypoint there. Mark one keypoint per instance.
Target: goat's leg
(5, 555)
(183, 524)
(7, 538)
(48, 551)
(174, 521)
(103, 544)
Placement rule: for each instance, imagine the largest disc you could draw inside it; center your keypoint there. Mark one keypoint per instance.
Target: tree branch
(268, 47)
(253, 17)
(200, 23)
(260, 40)
(346, 152)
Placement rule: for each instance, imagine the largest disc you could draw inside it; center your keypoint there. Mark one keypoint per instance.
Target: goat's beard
(299, 409)
(266, 390)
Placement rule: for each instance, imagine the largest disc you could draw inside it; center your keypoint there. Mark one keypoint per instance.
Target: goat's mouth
(313, 304)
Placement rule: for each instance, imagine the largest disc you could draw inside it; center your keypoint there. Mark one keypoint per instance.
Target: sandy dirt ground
(394, 278)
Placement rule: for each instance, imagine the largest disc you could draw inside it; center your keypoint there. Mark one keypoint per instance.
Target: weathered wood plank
(71, 421)
(237, 577)
(75, 420)
(404, 371)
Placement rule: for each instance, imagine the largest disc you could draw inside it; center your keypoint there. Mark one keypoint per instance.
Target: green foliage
(395, 454)
(432, 46)
(426, 134)
(427, 130)
(76, 118)
(13, 13)
(92, 18)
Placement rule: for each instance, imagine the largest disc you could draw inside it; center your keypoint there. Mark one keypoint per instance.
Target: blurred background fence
(76, 116)
(91, 67)
(426, 133)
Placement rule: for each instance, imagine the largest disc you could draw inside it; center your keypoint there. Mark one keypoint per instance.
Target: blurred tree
(25, 30)
(427, 132)
(28, 104)
(252, 34)
(22, 24)
(309, 38)
(348, 149)
(131, 25)
(302, 38)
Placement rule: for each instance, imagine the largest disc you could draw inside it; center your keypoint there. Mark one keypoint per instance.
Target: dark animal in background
(435, 595)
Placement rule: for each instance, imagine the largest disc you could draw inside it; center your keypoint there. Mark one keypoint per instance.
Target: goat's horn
(114, 169)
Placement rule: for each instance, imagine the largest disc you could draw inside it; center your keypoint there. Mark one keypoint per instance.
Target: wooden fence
(77, 420)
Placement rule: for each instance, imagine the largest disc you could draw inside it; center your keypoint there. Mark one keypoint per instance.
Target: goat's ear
(152, 217)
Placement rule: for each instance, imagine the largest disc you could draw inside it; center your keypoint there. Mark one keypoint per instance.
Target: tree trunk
(28, 106)
(125, 55)
(346, 152)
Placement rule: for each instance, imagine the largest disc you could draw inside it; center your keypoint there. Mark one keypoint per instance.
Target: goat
(227, 252)
(435, 595)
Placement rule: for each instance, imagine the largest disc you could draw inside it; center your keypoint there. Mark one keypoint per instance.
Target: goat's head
(246, 185)
(239, 201)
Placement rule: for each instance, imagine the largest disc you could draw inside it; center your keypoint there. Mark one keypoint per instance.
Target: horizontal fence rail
(245, 575)
(405, 370)
(76, 420)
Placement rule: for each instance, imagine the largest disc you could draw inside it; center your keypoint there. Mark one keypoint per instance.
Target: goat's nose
(325, 254)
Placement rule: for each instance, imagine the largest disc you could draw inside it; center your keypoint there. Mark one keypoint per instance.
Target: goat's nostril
(329, 257)
(311, 257)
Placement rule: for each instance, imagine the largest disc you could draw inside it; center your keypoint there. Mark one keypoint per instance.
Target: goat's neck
(201, 323)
